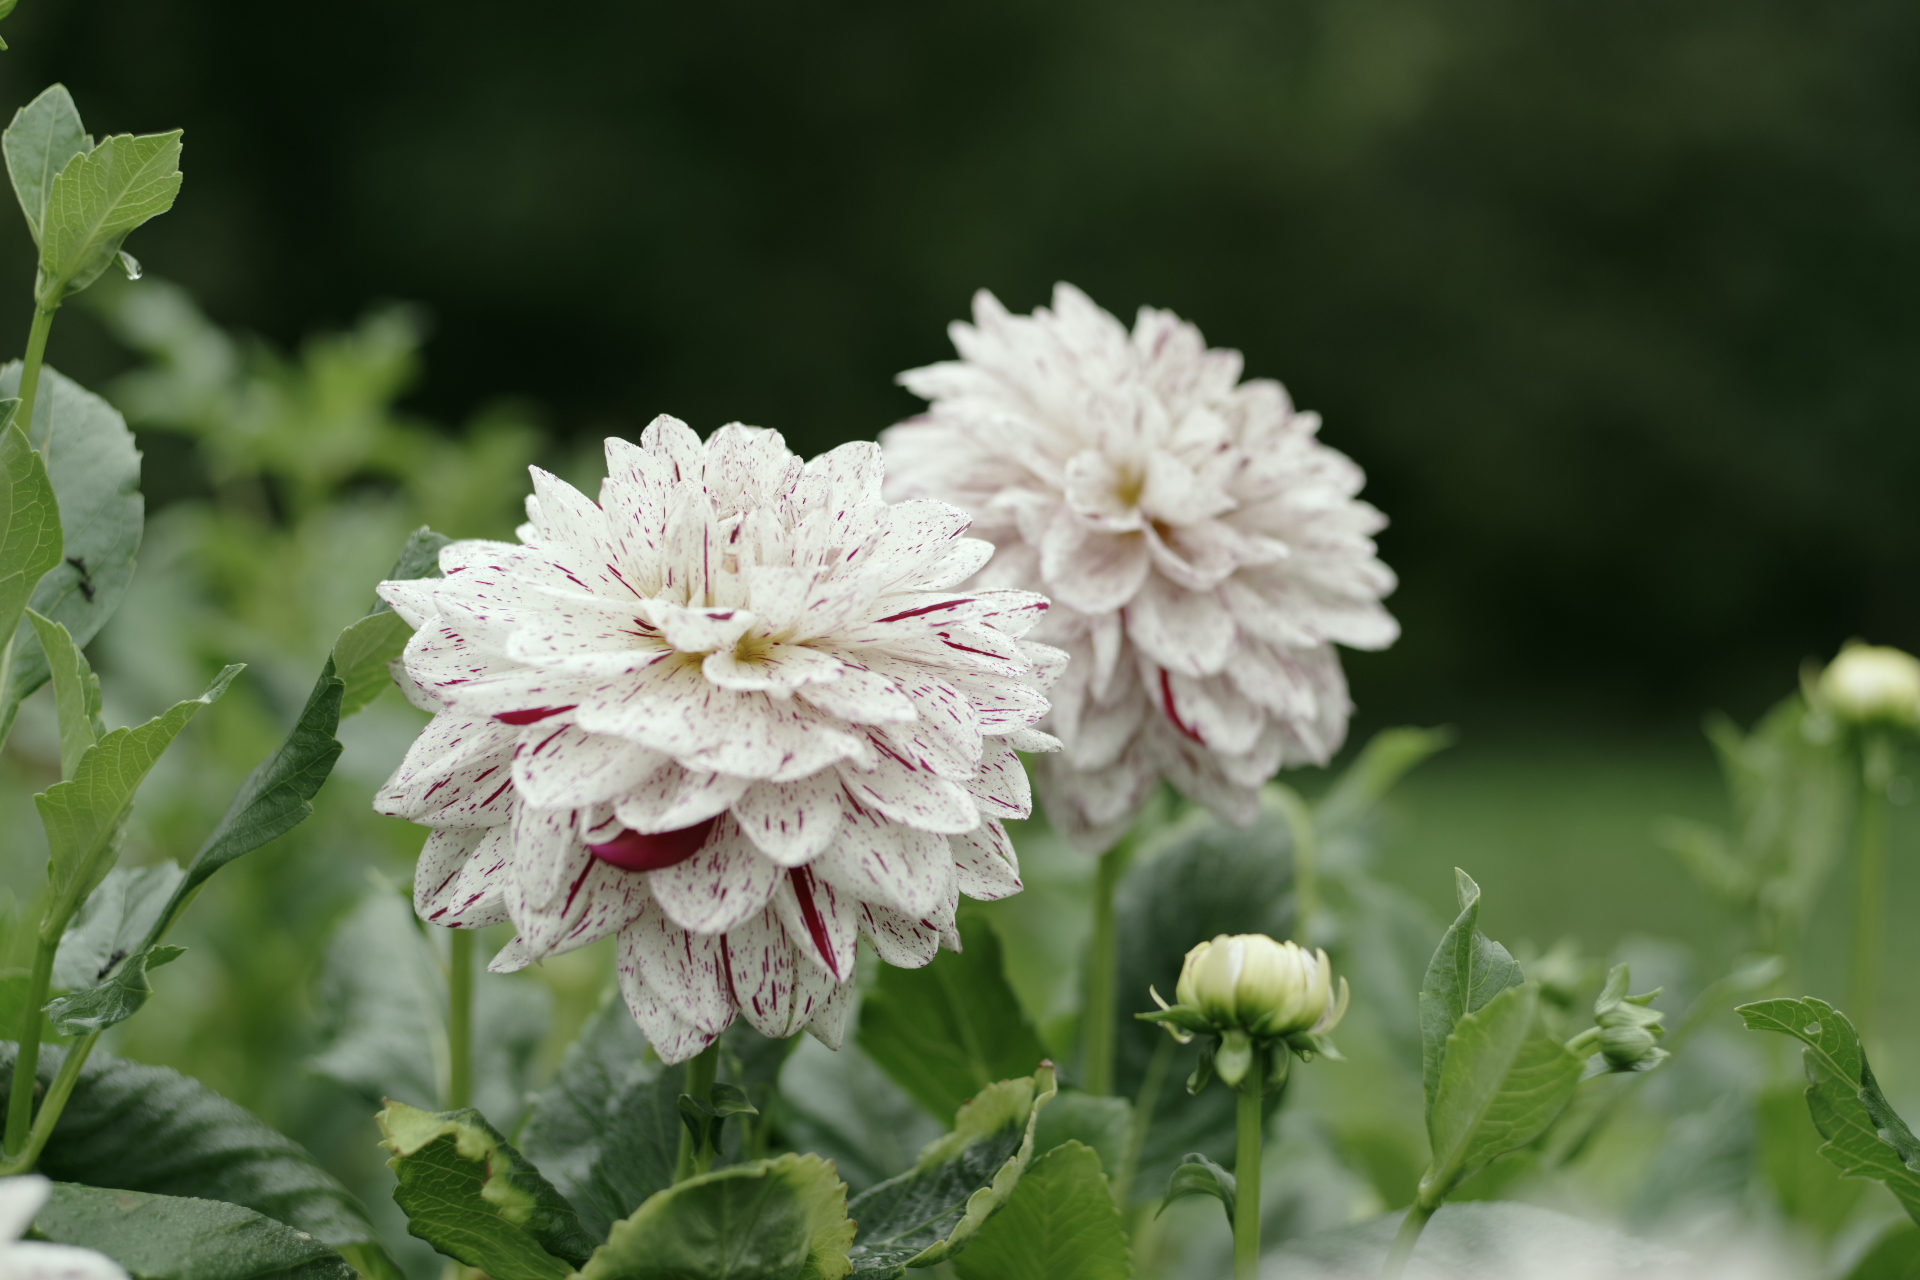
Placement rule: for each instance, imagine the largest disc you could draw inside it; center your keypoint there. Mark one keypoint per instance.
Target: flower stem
(51, 1108)
(1876, 773)
(1246, 1169)
(460, 1020)
(1103, 970)
(1306, 861)
(26, 1063)
(701, 1070)
(1143, 1108)
(1410, 1228)
(30, 368)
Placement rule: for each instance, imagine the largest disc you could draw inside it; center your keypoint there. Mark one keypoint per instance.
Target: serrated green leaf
(1060, 1224)
(44, 136)
(1199, 1176)
(132, 1127)
(174, 1238)
(471, 1195)
(1865, 1137)
(96, 201)
(30, 539)
(84, 815)
(113, 923)
(361, 655)
(780, 1219)
(1467, 971)
(1504, 1080)
(949, 1030)
(95, 471)
(934, 1210)
(76, 692)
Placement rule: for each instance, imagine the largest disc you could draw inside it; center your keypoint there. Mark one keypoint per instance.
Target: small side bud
(1629, 1030)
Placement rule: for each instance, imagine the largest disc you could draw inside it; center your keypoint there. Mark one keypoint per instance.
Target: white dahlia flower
(1203, 550)
(735, 712)
(21, 1200)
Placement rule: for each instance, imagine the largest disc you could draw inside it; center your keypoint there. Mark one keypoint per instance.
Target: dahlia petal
(911, 796)
(1189, 632)
(448, 743)
(781, 670)
(1216, 714)
(462, 884)
(675, 797)
(762, 973)
(412, 599)
(726, 882)
(511, 958)
(598, 903)
(960, 560)
(550, 863)
(822, 924)
(985, 864)
(684, 969)
(878, 861)
(900, 940)
(791, 822)
(673, 1038)
(565, 767)
(1089, 569)
(860, 696)
(1000, 788)
(1032, 740)
(828, 1024)
(919, 533)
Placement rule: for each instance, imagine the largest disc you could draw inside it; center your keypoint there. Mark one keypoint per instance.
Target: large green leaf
(1503, 1081)
(1059, 1224)
(780, 1219)
(84, 815)
(30, 541)
(95, 471)
(177, 1238)
(44, 135)
(1467, 971)
(361, 655)
(76, 691)
(470, 1195)
(934, 1210)
(114, 923)
(1865, 1137)
(1105, 1124)
(132, 1127)
(96, 201)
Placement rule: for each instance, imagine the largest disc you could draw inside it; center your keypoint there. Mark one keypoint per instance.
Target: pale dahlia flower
(1203, 550)
(735, 712)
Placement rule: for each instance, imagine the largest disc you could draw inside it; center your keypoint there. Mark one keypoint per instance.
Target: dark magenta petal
(632, 851)
(533, 715)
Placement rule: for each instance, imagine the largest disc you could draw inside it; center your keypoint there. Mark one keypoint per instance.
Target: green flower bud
(1871, 683)
(1248, 982)
(1629, 1030)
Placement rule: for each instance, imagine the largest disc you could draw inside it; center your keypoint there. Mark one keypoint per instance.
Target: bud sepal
(1626, 1031)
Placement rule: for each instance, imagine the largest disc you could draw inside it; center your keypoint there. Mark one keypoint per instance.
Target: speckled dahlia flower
(734, 712)
(1203, 550)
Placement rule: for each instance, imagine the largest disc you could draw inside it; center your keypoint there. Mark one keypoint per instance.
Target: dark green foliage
(172, 1238)
(1059, 1224)
(1468, 969)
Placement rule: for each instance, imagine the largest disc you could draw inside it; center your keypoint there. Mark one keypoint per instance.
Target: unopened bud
(1251, 983)
(1629, 1030)
(1870, 682)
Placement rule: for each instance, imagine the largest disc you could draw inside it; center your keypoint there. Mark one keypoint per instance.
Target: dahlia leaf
(1199, 1176)
(94, 468)
(113, 923)
(132, 1127)
(361, 656)
(30, 538)
(471, 1195)
(1865, 1137)
(1467, 971)
(84, 815)
(779, 1219)
(946, 1031)
(935, 1209)
(44, 136)
(116, 999)
(172, 1238)
(1060, 1224)
(1504, 1080)
(1105, 1124)
(96, 200)
(76, 691)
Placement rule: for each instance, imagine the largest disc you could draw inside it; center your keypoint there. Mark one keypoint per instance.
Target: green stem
(1143, 1108)
(1103, 970)
(1410, 1228)
(701, 1070)
(26, 1064)
(1876, 773)
(1246, 1169)
(51, 1109)
(460, 1020)
(1306, 861)
(30, 368)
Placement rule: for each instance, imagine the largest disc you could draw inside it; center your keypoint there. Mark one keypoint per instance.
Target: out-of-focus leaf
(96, 200)
(361, 655)
(1486, 1239)
(95, 471)
(933, 1211)
(30, 539)
(1865, 1137)
(1802, 1183)
(113, 923)
(1894, 1256)
(76, 692)
(949, 1030)
(44, 136)
(470, 1195)
(1388, 756)
(1199, 1176)
(132, 1127)
(780, 1219)
(1059, 1224)
(1105, 1124)
(1467, 971)
(176, 1238)
(843, 1106)
(84, 815)
(1504, 1079)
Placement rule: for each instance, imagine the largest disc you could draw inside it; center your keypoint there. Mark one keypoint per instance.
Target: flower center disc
(632, 851)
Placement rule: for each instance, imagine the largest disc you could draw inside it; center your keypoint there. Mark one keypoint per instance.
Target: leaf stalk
(1407, 1237)
(460, 1019)
(30, 369)
(1876, 773)
(51, 1109)
(1103, 969)
(26, 1064)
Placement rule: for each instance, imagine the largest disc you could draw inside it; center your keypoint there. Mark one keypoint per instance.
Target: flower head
(1204, 552)
(736, 712)
(1871, 683)
(1246, 990)
(21, 1200)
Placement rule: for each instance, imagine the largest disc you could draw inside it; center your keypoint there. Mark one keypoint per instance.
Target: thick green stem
(1409, 1235)
(56, 1102)
(1143, 1108)
(30, 367)
(1306, 861)
(697, 1158)
(1246, 1168)
(460, 1020)
(1103, 971)
(27, 1062)
(1876, 773)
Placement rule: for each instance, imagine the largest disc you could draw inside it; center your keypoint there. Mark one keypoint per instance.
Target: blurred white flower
(21, 1200)
(736, 712)
(1870, 682)
(1203, 550)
